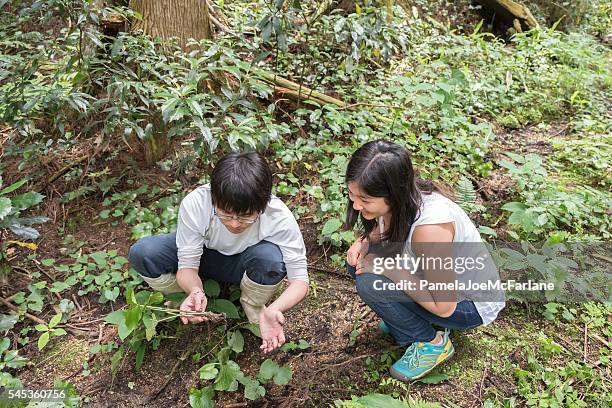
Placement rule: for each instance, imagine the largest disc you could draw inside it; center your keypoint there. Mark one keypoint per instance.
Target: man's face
(236, 223)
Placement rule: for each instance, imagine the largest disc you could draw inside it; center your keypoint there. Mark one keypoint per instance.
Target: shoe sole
(399, 376)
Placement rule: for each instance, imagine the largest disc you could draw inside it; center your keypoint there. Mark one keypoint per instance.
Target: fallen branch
(37, 319)
(510, 10)
(299, 92)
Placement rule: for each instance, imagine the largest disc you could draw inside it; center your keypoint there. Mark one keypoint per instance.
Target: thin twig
(586, 343)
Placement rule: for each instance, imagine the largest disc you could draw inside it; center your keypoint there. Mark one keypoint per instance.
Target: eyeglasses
(242, 220)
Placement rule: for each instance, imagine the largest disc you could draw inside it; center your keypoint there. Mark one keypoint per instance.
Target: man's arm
(295, 292)
(188, 279)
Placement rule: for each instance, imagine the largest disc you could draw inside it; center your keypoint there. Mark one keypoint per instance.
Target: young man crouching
(233, 230)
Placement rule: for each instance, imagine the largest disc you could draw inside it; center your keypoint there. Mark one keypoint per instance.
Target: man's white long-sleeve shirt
(198, 226)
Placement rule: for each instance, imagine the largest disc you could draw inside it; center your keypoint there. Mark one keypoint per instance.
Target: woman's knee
(366, 285)
(264, 263)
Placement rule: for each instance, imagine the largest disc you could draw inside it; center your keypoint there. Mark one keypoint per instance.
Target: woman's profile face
(370, 207)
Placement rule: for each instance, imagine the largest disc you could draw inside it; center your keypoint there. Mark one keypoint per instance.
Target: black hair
(384, 169)
(241, 183)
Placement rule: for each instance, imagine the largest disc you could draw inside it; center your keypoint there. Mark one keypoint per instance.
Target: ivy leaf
(58, 286)
(208, 371)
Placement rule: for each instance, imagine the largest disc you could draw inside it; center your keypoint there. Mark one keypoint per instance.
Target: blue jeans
(262, 262)
(408, 321)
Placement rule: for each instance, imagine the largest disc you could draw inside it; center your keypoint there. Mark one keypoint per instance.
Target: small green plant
(100, 272)
(9, 359)
(226, 374)
(49, 331)
(10, 217)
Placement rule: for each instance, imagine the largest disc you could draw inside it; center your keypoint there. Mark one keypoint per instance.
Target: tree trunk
(173, 18)
(183, 19)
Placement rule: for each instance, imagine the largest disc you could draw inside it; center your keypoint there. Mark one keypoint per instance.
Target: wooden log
(509, 10)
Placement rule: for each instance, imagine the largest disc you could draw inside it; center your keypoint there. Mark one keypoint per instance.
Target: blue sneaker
(420, 358)
(382, 326)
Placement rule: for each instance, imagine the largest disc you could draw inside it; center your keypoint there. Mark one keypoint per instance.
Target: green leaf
(116, 317)
(48, 261)
(132, 317)
(236, 341)
(331, 226)
(59, 332)
(487, 230)
(27, 200)
(156, 298)
(303, 344)
(43, 340)
(13, 187)
(41, 328)
(7, 321)
(380, 401)
(140, 355)
(253, 390)
(224, 306)
(268, 369)
(514, 206)
(5, 343)
(226, 380)
(208, 371)
(203, 398)
(99, 258)
(435, 378)
(55, 320)
(283, 375)
(116, 360)
(254, 328)
(58, 286)
(5, 207)
(150, 324)
(211, 288)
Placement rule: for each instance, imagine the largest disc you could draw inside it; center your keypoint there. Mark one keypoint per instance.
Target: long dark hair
(384, 169)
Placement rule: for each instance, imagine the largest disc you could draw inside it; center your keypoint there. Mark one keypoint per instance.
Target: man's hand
(357, 251)
(271, 327)
(194, 302)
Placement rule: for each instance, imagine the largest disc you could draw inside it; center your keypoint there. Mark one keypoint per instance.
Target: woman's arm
(434, 241)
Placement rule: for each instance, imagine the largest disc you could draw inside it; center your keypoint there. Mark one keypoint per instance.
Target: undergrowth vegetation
(518, 125)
